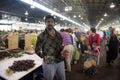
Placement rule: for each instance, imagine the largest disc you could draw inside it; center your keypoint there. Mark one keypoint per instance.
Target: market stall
(16, 75)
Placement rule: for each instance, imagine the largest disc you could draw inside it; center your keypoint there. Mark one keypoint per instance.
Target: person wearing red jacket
(94, 44)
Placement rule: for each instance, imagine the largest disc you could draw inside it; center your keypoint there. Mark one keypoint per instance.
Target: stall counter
(4, 64)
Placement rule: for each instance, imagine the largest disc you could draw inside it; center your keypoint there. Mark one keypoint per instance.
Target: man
(49, 43)
(78, 35)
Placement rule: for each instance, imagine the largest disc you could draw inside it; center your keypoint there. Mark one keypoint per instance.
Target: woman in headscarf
(112, 47)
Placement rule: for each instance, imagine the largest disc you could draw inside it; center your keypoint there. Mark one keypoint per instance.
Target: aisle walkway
(104, 72)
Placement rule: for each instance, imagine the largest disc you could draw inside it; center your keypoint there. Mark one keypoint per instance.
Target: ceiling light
(26, 19)
(32, 7)
(79, 15)
(81, 18)
(5, 15)
(66, 9)
(44, 17)
(26, 13)
(70, 8)
(112, 5)
(74, 16)
(49, 10)
(102, 19)
(105, 14)
(99, 23)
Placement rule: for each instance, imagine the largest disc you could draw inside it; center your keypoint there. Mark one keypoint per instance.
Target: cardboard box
(13, 42)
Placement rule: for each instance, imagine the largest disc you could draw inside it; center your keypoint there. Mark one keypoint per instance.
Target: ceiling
(90, 10)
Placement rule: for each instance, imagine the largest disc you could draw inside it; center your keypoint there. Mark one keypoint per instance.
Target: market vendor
(49, 47)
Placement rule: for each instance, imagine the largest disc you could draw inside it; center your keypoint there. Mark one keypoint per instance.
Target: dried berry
(22, 65)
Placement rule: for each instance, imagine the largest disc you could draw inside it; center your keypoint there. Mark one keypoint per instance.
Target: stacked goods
(34, 40)
(13, 42)
(28, 41)
(22, 65)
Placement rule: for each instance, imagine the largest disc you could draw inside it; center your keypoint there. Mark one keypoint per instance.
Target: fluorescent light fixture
(66, 9)
(32, 7)
(99, 23)
(112, 5)
(7, 22)
(37, 5)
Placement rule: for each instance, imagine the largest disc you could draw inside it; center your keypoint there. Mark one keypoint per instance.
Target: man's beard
(49, 28)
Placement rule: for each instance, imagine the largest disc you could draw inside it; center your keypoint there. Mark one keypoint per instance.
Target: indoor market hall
(59, 39)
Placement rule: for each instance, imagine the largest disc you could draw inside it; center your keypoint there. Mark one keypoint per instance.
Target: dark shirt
(50, 46)
(78, 34)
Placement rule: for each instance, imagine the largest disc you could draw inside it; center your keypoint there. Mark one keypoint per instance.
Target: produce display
(22, 65)
(10, 53)
(16, 52)
(4, 55)
(13, 51)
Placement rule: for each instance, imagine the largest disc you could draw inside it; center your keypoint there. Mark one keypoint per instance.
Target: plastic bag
(76, 54)
(96, 52)
(65, 53)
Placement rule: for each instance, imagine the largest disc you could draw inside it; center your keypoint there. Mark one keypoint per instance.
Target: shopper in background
(77, 34)
(94, 44)
(108, 32)
(67, 43)
(100, 32)
(49, 47)
(112, 47)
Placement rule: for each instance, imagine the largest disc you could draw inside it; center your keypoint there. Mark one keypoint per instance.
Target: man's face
(76, 30)
(49, 22)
